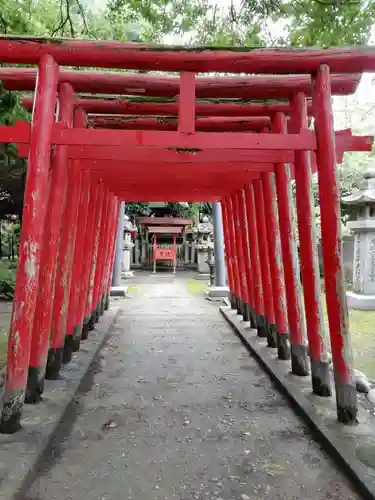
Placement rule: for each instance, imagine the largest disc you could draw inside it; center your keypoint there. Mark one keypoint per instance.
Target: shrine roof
(165, 229)
(164, 221)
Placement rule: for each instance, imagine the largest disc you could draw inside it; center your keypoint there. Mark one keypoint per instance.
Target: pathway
(178, 410)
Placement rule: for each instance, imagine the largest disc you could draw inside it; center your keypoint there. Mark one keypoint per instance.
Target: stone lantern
(204, 233)
(362, 225)
(129, 230)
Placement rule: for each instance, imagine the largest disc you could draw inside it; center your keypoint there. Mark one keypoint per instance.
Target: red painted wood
(79, 255)
(316, 333)
(186, 103)
(111, 246)
(98, 224)
(126, 107)
(329, 195)
(105, 54)
(234, 249)
(96, 190)
(252, 232)
(228, 250)
(274, 252)
(211, 124)
(34, 211)
(240, 248)
(51, 239)
(103, 241)
(199, 140)
(269, 311)
(297, 330)
(245, 249)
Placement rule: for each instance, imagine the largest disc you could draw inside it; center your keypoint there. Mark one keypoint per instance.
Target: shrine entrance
(199, 145)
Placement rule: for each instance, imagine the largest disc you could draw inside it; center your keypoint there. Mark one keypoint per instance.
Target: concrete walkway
(178, 410)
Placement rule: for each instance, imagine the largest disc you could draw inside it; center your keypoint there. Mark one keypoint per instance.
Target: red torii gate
(257, 258)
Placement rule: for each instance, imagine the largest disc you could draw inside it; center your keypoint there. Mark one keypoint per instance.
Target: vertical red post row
(234, 250)
(329, 195)
(74, 326)
(228, 256)
(250, 313)
(60, 347)
(264, 264)
(90, 309)
(244, 297)
(96, 188)
(276, 265)
(34, 212)
(316, 332)
(109, 252)
(111, 261)
(255, 260)
(297, 327)
(51, 243)
(103, 239)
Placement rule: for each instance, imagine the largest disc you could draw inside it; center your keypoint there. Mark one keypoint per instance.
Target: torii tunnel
(189, 138)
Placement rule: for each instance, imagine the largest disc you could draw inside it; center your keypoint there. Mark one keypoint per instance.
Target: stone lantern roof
(366, 193)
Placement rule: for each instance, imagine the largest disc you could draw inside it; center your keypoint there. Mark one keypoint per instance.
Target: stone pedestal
(128, 245)
(363, 228)
(204, 246)
(203, 267)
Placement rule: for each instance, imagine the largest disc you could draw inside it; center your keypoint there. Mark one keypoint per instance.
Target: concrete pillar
(116, 276)
(218, 244)
(220, 289)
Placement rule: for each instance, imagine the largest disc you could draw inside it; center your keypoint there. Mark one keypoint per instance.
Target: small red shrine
(162, 230)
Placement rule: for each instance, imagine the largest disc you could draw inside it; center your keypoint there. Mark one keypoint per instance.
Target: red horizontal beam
(212, 124)
(29, 50)
(125, 107)
(249, 87)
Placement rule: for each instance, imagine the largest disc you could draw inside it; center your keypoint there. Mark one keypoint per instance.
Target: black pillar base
(272, 336)
(85, 330)
(35, 385)
(253, 320)
(283, 347)
(246, 312)
(300, 360)
(68, 349)
(76, 343)
(102, 306)
(54, 363)
(346, 402)
(91, 322)
(321, 380)
(233, 301)
(106, 303)
(239, 305)
(11, 413)
(262, 326)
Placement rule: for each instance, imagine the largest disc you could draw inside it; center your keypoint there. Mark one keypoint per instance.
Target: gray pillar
(220, 272)
(116, 277)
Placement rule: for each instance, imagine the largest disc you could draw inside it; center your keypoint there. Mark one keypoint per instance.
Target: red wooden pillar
(297, 328)
(58, 353)
(95, 194)
(112, 251)
(265, 264)
(34, 211)
(228, 256)
(74, 325)
(90, 307)
(244, 296)
(316, 332)
(329, 195)
(103, 241)
(50, 250)
(246, 257)
(234, 250)
(276, 265)
(255, 260)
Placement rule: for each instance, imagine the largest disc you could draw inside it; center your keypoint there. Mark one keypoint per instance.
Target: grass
(196, 287)
(362, 331)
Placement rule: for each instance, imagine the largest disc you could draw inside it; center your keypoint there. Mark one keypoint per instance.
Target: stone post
(116, 276)
(128, 245)
(219, 288)
(362, 226)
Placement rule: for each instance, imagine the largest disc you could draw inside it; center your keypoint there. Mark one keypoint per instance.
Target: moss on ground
(196, 287)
